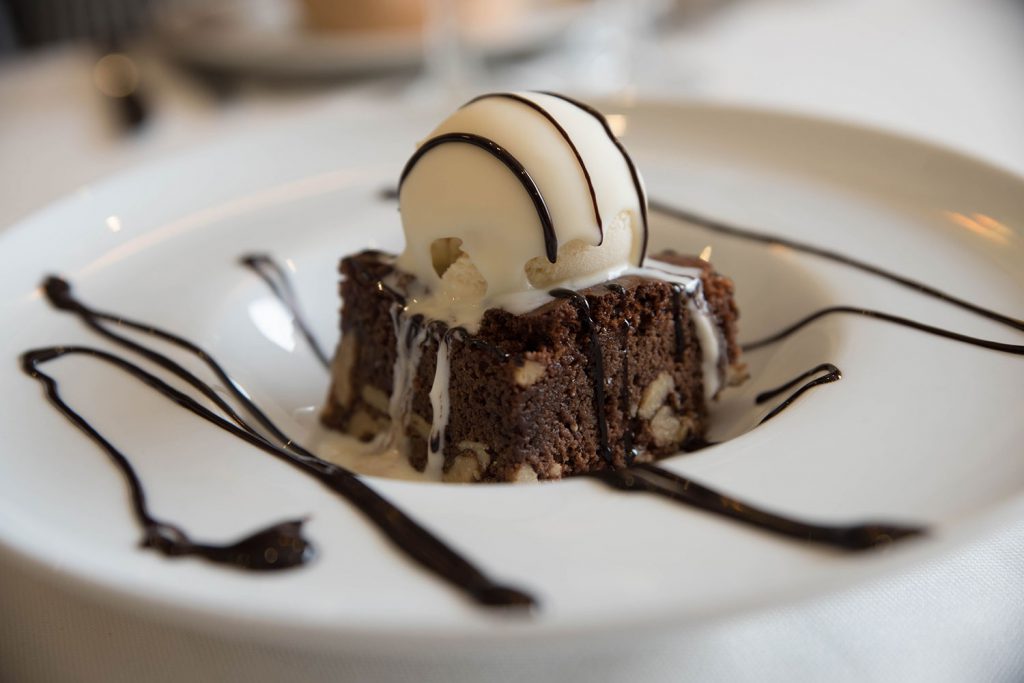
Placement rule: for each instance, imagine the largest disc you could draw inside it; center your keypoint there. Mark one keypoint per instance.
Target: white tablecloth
(951, 71)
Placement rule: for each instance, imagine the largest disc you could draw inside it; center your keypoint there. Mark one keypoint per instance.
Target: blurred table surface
(950, 71)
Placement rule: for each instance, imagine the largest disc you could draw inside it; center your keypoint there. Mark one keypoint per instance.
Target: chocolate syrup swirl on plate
(1015, 349)
(276, 278)
(405, 534)
(765, 238)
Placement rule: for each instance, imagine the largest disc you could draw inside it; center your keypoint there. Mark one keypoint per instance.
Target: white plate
(920, 429)
(267, 38)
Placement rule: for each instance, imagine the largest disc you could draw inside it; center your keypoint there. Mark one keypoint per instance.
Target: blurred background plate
(279, 38)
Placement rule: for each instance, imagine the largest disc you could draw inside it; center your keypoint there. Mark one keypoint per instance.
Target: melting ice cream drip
(440, 404)
(410, 333)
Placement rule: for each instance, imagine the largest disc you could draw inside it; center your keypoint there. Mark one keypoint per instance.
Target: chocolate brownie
(587, 381)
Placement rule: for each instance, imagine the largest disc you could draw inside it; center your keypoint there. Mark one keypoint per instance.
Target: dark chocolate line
(649, 478)
(638, 185)
(473, 342)
(59, 294)
(595, 366)
(510, 162)
(280, 546)
(832, 374)
(734, 231)
(447, 334)
(362, 274)
(1015, 349)
(629, 422)
(565, 136)
(406, 535)
(697, 444)
(677, 319)
(629, 426)
(277, 280)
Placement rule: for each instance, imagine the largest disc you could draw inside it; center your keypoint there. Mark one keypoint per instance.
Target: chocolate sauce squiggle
(1015, 349)
(832, 374)
(280, 546)
(565, 136)
(271, 272)
(511, 163)
(595, 366)
(638, 185)
(408, 536)
(650, 478)
(734, 231)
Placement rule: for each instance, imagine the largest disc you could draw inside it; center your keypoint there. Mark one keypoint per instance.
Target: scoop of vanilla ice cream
(475, 236)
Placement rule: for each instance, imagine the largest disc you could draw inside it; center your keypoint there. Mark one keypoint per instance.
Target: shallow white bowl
(920, 429)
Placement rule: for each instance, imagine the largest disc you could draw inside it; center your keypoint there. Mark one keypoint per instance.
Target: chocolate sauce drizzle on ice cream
(565, 170)
(513, 164)
(473, 193)
(638, 183)
(568, 141)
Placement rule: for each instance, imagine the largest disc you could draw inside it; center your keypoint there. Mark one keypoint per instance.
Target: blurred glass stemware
(453, 68)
